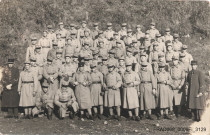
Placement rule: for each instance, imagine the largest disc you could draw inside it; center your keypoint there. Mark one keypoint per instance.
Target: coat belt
(27, 81)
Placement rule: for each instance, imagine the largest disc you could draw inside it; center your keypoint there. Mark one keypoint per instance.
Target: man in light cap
(72, 30)
(121, 67)
(82, 81)
(52, 52)
(50, 33)
(62, 31)
(153, 31)
(116, 39)
(66, 101)
(10, 97)
(74, 62)
(185, 63)
(195, 91)
(73, 41)
(40, 57)
(188, 56)
(113, 81)
(87, 38)
(58, 60)
(85, 50)
(81, 31)
(178, 78)
(119, 50)
(177, 45)
(104, 69)
(148, 91)
(143, 59)
(112, 58)
(167, 36)
(169, 53)
(103, 50)
(31, 48)
(61, 42)
(69, 48)
(130, 92)
(101, 38)
(161, 44)
(109, 32)
(139, 35)
(95, 88)
(123, 32)
(130, 58)
(129, 38)
(95, 32)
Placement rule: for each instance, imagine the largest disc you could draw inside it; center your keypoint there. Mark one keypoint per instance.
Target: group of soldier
(81, 70)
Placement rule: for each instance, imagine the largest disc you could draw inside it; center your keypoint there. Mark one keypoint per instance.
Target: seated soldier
(66, 101)
(44, 102)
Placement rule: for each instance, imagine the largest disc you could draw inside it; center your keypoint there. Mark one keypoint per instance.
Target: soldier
(195, 91)
(135, 47)
(96, 90)
(185, 63)
(87, 38)
(74, 42)
(147, 45)
(112, 83)
(85, 50)
(87, 64)
(161, 44)
(81, 31)
(153, 31)
(96, 58)
(50, 74)
(45, 43)
(95, 32)
(31, 48)
(112, 58)
(178, 77)
(139, 35)
(66, 101)
(167, 36)
(40, 57)
(75, 62)
(129, 38)
(143, 59)
(61, 42)
(10, 97)
(147, 90)
(104, 69)
(122, 67)
(63, 32)
(170, 53)
(153, 58)
(119, 50)
(52, 52)
(123, 32)
(177, 45)
(188, 57)
(50, 34)
(130, 93)
(103, 50)
(130, 58)
(27, 89)
(109, 33)
(44, 102)
(141, 51)
(82, 81)
(163, 90)
(72, 30)
(116, 38)
(58, 60)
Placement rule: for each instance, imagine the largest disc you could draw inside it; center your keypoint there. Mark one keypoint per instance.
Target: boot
(111, 117)
(71, 115)
(150, 117)
(160, 117)
(49, 114)
(118, 118)
(168, 117)
(137, 118)
(100, 117)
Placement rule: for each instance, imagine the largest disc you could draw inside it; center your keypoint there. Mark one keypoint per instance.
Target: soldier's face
(121, 62)
(124, 28)
(73, 36)
(184, 50)
(175, 62)
(109, 27)
(58, 36)
(55, 46)
(159, 39)
(152, 26)
(45, 90)
(86, 46)
(58, 55)
(93, 69)
(161, 59)
(129, 53)
(101, 44)
(128, 68)
(155, 47)
(44, 33)
(84, 25)
(34, 42)
(81, 69)
(129, 33)
(194, 67)
(49, 62)
(27, 66)
(10, 65)
(68, 59)
(87, 34)
(111, 55)
(61, 26)
(33, 63)
(86, 62)
(167, 32)
(75, 59)
(38, 50)
(104, 62)
(100, 35)
(143, 68)
(96, 27)
(169, 48)
(111, 69)
(161, 69)
(138, 29)
(143, 58)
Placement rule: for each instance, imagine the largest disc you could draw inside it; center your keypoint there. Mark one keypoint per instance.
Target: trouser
(177, 109)
(13, 111)
(197, 113)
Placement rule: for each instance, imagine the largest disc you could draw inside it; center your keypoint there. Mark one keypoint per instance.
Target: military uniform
(75, 43)
(46, 45)
(152, 32)
(177, 45)
(40, 58)
(61, 43)
(30, 49)
(52, 52)
(85, 52)
(81, 32)
(139, 34)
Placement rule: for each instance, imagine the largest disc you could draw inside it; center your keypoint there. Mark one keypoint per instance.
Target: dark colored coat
(195, 81)
(10, 98)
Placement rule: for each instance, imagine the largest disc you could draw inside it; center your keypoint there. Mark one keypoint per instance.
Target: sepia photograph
(105, 67)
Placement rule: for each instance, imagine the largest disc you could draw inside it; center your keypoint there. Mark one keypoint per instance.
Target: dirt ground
(68, 126)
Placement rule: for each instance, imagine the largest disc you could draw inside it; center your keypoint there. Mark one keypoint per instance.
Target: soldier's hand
(154, 91)
(139, 93)
(19, 92)
(34, 93)
(125, 85)
(179, 87)
(84, 83)
(113, 87)
(76, 83)
(165, 82)
(8, 87)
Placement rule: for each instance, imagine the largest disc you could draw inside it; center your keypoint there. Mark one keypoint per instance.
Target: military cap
(181, 55)
(87, 58)
(101, 41)
(87, 30)
(68, 55)
(160, 55)
(38, 47)
(59, 51)
(81, 64)
(147, 32)
(152, 23)
(128, 63)
(141, 47)
(122, 58)
(10, 61)
(112, 52)
(129, 30)
(84, 22)
(49, 59)
(193, 62)
(54, 43)
(124, 24)
(73, 33)
(60, 23)
(129, 50)
(176, 35)
(134, 41)
(143, 54)
(96, 51)
(155, 44)
(161, 65)
(27, 62)
(175, 57)
(33, 38)
(72, 25)
(109, 24)
(58, 33)
(32, 59)
(110, 65)
(115, 33)
(75, 55)
(95, 24)
(167, 29)
(45, 85)
(144, 64)
(118, 41)
(184, 47)
(100, 32)
(86, 43)
(104, 58)
(92, 65)
(49, 26)
(158, 35)
(169, 44)
(138, 26)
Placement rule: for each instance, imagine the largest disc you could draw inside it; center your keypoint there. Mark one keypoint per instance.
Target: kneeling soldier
(44, 102)
(65, 100)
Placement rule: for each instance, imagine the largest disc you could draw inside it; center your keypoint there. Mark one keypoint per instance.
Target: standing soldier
(113, 81)
(161, 44)
(170, 53)
(95, 32)
(103, 50)
(178, 77)
(195, 93)
(112, 58)
(85, 50)
(44, 102)
(10, 97)
(82, 81)
(87, 38)
(27, 88)
(143, 59)
(96, 90)
(74, 42)
(109, 33)
(52, 52)
(163, 90)
(63, 32)
(188, 57)
(177, 45)
(81, 31)
(72, 30)
(40, 58)
(123, 32)
(147, 90)
(50, 75)
(58, 60)
(113, 42)
(129, 38)
(167, 37)
(130, 93)
(153, 31)
(130, 58)
(119, 50)
(51, 35)
(74, 62)
(122, 67)
(104, 69)
(103, 39)
(185, 63)
(66, 101)
(31, 48)
(61, 43)
(45, 43)
(139, 35)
